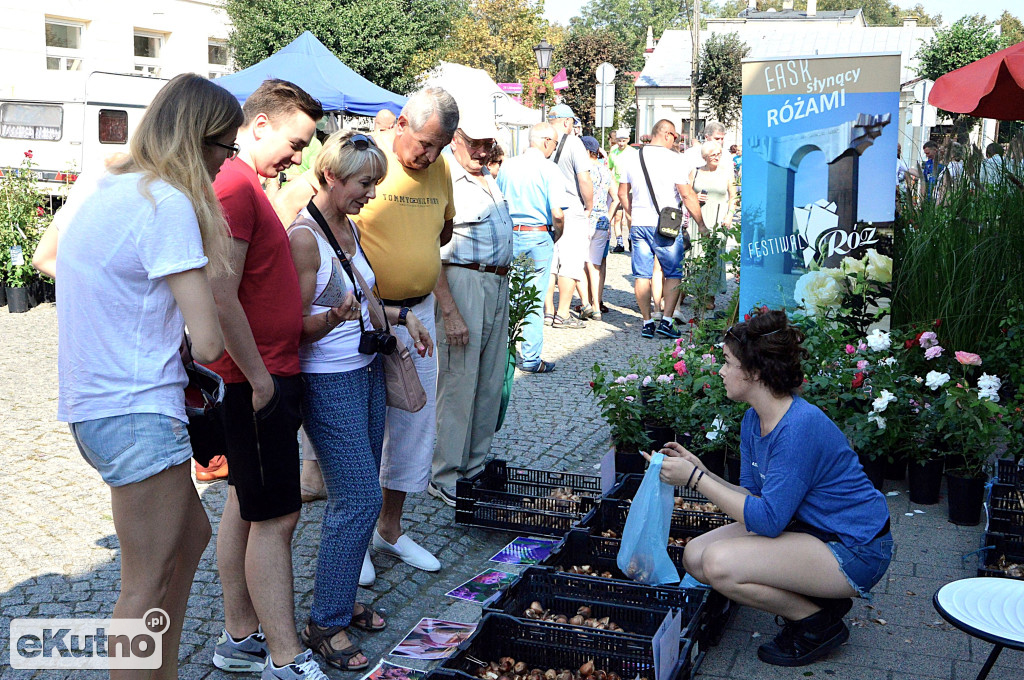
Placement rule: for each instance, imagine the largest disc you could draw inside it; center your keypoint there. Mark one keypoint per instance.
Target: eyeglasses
(476, 144)
(361, 142)
(231, 149)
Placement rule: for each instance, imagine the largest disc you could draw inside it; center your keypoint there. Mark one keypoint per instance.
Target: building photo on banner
(820, 138)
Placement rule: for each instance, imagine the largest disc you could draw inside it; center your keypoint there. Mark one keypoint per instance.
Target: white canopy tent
(473, 89)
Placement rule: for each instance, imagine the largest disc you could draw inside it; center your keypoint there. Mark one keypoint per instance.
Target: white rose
(991, 395)
(888, 361)
(878, 266)
(882, 401)
(852, 267)
(935, 380)
(877, 420)
(989, 382)
(878, 340)
(817, 289)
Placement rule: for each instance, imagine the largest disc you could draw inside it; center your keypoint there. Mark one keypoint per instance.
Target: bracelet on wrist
(690, 478)
(327, 321)
(402, 314)
(697, 482)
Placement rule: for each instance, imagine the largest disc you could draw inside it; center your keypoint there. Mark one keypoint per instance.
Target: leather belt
(528, 227)
(407, 302)
(485, 268)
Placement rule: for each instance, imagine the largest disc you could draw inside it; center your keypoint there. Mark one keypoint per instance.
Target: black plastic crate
(563, 647)
(1006, 510)
(621, 496)
(608, 516)
(637, 608)
(996, 546)
(1009, 472)
(579, 547)
(519, 499)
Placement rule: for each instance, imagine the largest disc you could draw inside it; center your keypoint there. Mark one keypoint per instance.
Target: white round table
(990, 609)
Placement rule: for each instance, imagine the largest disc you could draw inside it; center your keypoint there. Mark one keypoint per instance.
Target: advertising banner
(819, 167)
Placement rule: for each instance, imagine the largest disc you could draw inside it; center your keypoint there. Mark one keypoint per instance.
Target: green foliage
(876, 12)
(523, 298)
(580, 55)
(22, 221)
(498, 36)
(1011, 28)
(720, 78)
(628, 20)
(386, 41)
(619, 399)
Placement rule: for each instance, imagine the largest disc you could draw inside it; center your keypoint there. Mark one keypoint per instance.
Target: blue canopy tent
(307, 63)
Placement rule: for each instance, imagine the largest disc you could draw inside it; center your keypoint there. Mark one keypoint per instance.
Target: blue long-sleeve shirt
(805, 469)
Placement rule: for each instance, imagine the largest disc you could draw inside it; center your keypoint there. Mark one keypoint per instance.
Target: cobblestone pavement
(59, 554)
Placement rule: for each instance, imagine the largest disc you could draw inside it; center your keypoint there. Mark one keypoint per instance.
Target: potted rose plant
(619, 400)
(22, 220)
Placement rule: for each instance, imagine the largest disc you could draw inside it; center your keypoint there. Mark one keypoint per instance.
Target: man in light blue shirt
(536, 195)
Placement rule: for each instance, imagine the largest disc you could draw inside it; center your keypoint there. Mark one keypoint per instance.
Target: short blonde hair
(345, 160)
(186, 113)
(708, 148)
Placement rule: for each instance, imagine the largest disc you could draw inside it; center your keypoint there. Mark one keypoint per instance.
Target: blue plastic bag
(643, 555)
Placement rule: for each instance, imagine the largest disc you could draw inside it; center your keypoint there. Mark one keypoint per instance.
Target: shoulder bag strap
(643, 166)
(558, 151)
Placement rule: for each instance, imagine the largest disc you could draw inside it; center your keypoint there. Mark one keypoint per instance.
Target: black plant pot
(925, 480)
(35, 293)
(732, 466)
(875, 470)
(966, 495)
(628, 460)
(714, 461)
(896, 471)
(659, 435)
(3, 294)
(17, 300)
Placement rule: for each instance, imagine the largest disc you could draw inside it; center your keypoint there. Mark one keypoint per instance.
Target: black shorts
(263, 449)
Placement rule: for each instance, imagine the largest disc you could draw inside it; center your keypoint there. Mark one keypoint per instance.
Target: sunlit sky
(561, 11)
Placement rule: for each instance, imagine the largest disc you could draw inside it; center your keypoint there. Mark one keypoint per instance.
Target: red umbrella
(992, 87)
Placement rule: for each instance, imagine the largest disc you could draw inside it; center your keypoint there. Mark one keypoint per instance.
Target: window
(217, 58)
(63, 45)
(113, 126)
(31, 121)
(147, 53)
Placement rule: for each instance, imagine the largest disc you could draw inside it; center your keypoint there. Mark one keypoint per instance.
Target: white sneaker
(304, 667)
(367, 575)
(407, 550)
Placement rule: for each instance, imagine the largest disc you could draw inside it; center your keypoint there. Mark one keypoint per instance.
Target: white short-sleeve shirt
(666, 170)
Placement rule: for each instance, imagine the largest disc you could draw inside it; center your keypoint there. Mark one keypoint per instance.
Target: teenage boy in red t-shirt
(260, 310)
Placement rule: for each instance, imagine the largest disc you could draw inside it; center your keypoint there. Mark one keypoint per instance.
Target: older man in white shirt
(472, 310)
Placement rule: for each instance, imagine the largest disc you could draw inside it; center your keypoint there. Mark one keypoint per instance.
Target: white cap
(477, 123)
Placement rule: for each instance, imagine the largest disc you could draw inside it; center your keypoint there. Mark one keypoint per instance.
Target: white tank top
(338, 351)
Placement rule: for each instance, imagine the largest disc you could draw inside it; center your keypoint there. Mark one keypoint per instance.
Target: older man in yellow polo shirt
(401, 232)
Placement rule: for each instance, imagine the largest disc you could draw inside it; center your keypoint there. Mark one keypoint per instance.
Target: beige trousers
(470, 377)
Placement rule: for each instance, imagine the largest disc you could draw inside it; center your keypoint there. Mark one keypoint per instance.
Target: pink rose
(936, 351)
(676, 352)
(968, 358)
(680, 367)
(850, 349)
(862, 364)
(928, 339)
(862, 345)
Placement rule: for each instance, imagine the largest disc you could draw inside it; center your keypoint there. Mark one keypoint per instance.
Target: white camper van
(70, 121)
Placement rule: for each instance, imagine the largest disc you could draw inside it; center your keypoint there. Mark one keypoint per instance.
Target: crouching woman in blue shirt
(811, 531)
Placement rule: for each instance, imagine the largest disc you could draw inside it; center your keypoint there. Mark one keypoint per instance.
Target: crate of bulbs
(524, 500)
(692, 510)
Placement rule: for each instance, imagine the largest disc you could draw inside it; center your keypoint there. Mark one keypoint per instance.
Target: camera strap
(362, 289)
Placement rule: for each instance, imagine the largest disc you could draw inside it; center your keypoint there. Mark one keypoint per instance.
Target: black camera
(377, 342)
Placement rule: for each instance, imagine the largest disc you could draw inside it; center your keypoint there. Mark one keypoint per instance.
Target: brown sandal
(319, 640)
(364, 620)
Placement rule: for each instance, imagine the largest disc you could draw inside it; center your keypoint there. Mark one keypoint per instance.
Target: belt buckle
(481, 267)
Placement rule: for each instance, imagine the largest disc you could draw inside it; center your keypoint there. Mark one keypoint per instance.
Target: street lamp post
(543, 52)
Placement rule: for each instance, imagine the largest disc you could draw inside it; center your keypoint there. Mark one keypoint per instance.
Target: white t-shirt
(338, 351)
(119, 325)
(666, 170)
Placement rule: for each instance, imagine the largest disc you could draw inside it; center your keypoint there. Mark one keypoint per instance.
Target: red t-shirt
(269, 289)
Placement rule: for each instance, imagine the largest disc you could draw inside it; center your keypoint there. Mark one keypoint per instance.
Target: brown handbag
(402, 382)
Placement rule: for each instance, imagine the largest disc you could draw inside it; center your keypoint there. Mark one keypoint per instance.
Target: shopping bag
(643, 555)
(506, 388)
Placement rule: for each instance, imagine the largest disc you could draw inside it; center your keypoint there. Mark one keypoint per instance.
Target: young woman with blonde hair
(135, 246)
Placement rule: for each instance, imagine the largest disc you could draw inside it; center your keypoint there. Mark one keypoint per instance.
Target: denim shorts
(648, 244)
(133, 447)
(864, 565)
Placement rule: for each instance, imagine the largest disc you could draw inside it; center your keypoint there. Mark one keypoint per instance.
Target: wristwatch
(402, 313)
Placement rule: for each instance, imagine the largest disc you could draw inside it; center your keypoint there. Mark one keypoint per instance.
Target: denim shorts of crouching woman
(130, 448)
(862, 565)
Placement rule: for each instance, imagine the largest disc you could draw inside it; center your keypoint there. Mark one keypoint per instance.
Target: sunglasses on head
(361, 142)
(728, 331)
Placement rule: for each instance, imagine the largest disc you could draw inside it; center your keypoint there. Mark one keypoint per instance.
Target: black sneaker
(441, 493)
(648, 330)
(667, 330)
(805, 641)
(618, 249)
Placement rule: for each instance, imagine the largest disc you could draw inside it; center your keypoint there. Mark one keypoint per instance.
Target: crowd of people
(419, 221)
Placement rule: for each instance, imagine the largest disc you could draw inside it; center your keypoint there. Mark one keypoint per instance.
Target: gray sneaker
(304, 667)
(245, 656)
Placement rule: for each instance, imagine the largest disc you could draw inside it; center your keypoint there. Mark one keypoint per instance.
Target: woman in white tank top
(343, 403)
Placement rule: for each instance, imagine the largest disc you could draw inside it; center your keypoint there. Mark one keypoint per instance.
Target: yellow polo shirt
(400, 229)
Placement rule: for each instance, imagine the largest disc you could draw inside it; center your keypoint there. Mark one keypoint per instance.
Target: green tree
(966, 41)
(1011, 28)
(628, 20)
(498, 36)
(720, 78)
(580, 55)
(386, 41)
(876, 12)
